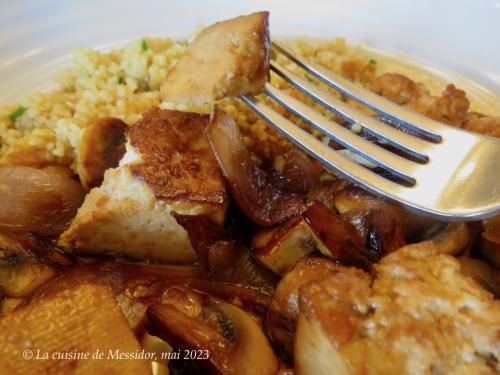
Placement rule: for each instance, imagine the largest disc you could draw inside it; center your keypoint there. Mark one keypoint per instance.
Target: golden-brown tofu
(228, 58)
(61, 333)
(418, 314)
(168, 167)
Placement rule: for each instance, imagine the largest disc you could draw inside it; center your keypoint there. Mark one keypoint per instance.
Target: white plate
(37, 36)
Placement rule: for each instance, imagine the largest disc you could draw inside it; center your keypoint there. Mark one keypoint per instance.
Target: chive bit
(373, 61)
(144, 45)
(17, 113)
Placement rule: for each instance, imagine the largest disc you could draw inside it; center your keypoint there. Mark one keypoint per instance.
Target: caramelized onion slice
(261, 200)
(42, 201)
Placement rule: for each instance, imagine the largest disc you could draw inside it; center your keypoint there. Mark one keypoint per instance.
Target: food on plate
(283, 311)
(55, 332)
(416, 314)
(148, 211)
(261, 200)
(42, 201)
(229, 58)
(279, 248)
(168, 167)
(450, 108)
(102, 146)
(479, 123)
(233, 338)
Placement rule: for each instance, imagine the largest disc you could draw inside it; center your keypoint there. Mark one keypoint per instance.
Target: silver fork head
(450, 174)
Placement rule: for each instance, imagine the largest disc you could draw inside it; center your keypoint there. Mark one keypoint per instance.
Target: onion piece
(261, 200)
(42, 201)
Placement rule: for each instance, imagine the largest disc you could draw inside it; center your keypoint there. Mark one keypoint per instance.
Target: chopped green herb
(145, 46)
(121, 80)
(183, 42)
(17, 113)
(373, 61)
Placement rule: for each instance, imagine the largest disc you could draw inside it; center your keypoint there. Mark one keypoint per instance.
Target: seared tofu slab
(415, 314)
(228, 58)
(168, 167)
(54, 334)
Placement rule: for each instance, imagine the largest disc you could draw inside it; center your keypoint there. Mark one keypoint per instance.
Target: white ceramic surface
(37, 36)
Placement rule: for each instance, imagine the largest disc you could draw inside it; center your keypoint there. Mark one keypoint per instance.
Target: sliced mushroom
(379, 229)
(226, 336)
(281, 247)
(343, 241)
(348, 197)
(102, 146)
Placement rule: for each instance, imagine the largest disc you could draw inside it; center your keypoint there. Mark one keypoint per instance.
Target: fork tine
(408, 143)
(377, 155)
(390, 111)
(328, 156)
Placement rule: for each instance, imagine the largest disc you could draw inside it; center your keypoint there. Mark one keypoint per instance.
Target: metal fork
(449, 174)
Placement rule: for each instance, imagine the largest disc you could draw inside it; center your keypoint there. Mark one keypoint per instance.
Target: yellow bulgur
(125, 82)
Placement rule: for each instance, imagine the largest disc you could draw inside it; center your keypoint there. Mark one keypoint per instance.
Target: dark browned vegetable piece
(229, 339)
(101, 148)
(379, 229)
(223, 259)
(262, 201)
(279, 248)
(340, 237)
(27, 262)
(300, 174)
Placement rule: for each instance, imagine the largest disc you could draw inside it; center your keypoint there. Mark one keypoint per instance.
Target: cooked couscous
(45, 128)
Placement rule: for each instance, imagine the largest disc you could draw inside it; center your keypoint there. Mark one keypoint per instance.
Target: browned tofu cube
(169, 167)
(228, 58)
